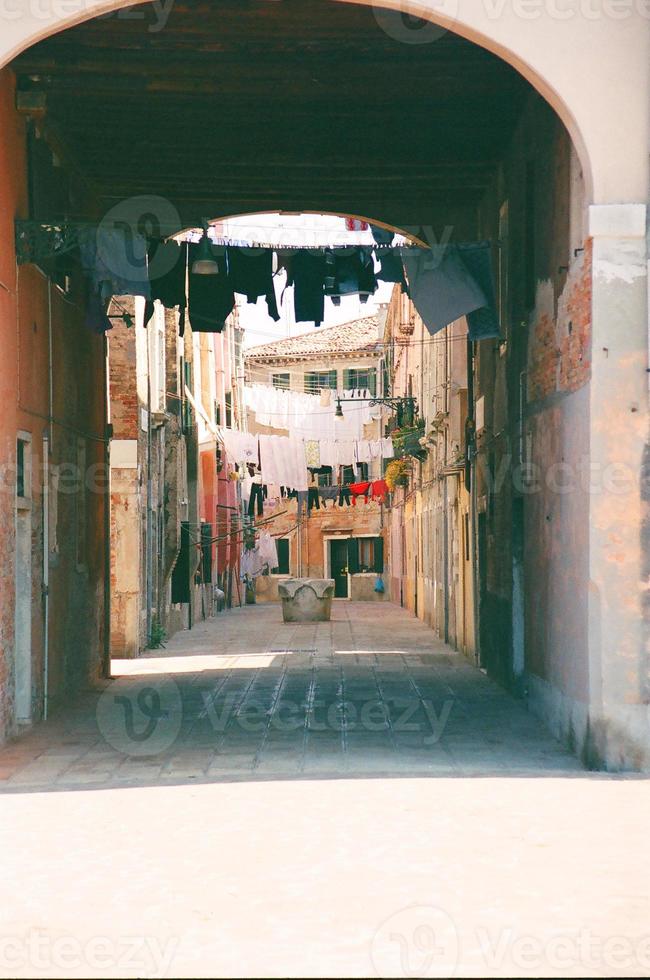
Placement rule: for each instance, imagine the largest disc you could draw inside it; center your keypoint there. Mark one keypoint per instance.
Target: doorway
(23, 581)
(339, 567)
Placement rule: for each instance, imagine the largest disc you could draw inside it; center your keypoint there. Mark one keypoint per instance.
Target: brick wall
(559, 353)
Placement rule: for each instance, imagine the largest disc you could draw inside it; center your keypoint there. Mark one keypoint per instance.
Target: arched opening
(329, 108)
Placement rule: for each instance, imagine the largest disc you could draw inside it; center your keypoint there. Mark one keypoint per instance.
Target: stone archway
(567, 56)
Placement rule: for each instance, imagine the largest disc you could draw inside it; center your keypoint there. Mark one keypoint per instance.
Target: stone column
(618, 717)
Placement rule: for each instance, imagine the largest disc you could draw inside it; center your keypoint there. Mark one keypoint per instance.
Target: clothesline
(285, 461)
(445, 282)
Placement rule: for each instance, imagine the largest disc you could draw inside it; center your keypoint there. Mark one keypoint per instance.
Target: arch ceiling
(237, 107)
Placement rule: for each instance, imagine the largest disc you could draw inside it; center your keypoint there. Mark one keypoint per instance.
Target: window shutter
(353, 556)
(379, 555)
(181, 572)
(206, 553)
(346, 379)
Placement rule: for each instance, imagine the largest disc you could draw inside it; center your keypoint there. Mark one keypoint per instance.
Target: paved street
(343, 799)
(244, 695)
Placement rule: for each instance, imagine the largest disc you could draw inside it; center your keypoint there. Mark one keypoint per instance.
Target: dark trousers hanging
(256, 494)
(313, 499)
(344, 495)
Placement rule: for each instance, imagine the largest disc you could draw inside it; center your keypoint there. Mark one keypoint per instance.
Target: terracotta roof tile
(358, 336)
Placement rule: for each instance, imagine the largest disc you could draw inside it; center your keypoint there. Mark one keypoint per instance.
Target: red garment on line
(359, 490)
(379, 490)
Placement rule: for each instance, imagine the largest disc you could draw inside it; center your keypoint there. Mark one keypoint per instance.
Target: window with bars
(316, 381)
(281, 380)
(361, 378)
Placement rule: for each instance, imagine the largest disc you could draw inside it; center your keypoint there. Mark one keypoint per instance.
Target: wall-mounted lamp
(339, 410)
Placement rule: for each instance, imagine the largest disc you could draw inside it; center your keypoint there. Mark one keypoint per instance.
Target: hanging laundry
(382, 236)
(387, 449)
(252, 275)
(167, 268)
(363, 451)
(379, 491)
(359, 490)
(268, 550)
(441, 286)
(241, 447)
(307, 276)
(329, 493)
(115, 259)
(354, 272)
(312, 453)
(256, 491)
(283, 461)
(344, 496)
(391, 267)
(484, 322)
(211, 298)
(356, 224)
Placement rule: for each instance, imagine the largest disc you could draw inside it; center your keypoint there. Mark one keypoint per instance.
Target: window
(282, 545)
(369, 555)
(282, 380)
(323, 475)
(229, 409)
(315, 381)
(22, 482)
(361, 378)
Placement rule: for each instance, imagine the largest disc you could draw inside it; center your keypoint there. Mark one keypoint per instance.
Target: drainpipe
(46, 571)
(470, 449)
(47, 442)
(148, 534)
(445, 501)
(108, 431)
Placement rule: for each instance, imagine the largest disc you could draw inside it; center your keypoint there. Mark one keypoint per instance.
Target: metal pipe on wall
(46, 571)
(47, 444)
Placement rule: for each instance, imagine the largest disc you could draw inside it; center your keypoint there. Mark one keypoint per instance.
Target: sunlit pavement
(344, 799)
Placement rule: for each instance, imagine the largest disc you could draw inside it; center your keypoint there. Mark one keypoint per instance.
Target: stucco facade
(52, 537)
(312, 532)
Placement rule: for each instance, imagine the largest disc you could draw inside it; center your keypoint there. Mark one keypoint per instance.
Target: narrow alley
(324, 488)
(246, 696)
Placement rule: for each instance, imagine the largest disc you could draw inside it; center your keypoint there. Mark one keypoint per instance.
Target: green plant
(406, 440)
(158, 634)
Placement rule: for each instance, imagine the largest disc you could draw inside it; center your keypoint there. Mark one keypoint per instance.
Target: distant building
(344, 542)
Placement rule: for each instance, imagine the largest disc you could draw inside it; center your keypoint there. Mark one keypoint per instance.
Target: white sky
(302, 229)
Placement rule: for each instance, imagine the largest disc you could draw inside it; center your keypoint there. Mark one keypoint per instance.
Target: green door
(339, 567)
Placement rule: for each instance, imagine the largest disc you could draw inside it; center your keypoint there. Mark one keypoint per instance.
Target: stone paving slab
(373, 691)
